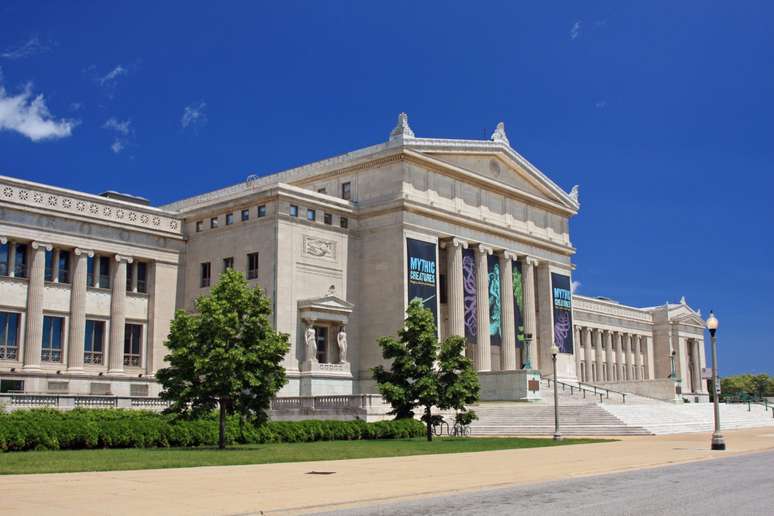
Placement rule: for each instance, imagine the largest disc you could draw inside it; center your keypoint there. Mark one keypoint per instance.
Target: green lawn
(154, 458)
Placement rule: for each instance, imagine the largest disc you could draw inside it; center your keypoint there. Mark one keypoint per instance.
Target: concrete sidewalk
(290, 487)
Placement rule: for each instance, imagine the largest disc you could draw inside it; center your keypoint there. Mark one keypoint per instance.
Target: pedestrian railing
(587, 388)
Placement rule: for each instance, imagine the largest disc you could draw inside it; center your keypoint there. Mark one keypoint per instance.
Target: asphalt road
(742, 485)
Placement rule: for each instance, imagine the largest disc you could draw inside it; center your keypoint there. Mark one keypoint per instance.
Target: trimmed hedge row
(48, 429)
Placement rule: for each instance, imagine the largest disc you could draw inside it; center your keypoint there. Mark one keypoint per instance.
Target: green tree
(226, 355)
(424, 374)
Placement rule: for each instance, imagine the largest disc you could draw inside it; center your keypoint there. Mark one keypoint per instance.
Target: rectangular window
(252, 265)
(51, 347)
(104, 272)
(20, 268)
(321, 333)
(346, 191)
(90, 271)
(94, 342)
(213, 222)
(262, 211)
(142, 277)
(245, 215)
(228, 263)
(9, 336)
(322, 191)
(293, 210)
(205, 275)
(64, 267)
(48, 268)
(132, 345)
(328, 218)
(311, 215)
(229, 219)
(11, 386)
(344, 222)
(4, 257)
(199, 225)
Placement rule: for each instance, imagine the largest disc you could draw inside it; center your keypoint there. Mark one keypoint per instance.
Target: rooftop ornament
(499, 134)
(402, 129)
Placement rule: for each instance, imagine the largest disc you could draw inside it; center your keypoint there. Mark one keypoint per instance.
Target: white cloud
(117, 146)
(574, 286)
(28, 115)
(110, 77)
(575, 30)
(600, 104)
(194, 116)
(29, 48)
(122, 129)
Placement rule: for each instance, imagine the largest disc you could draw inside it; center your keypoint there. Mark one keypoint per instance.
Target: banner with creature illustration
(562, 296)
(469, 294)
(518, 303)
(495, 308)
(422, 273)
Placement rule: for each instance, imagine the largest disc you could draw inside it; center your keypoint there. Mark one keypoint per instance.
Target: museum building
(90, 283)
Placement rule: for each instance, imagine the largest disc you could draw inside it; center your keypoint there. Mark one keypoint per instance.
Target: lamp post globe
(557, 434)
(718, 441)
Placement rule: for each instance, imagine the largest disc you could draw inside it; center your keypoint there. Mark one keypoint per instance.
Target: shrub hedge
(48, 429)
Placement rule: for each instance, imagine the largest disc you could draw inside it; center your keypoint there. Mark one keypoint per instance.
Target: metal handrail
(584, 387)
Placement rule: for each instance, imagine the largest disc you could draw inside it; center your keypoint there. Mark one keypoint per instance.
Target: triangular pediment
(685, 315)
(327, 303)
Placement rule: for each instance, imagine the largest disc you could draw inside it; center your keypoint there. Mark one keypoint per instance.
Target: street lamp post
(718, 441)
(557, 434)
(527, 344)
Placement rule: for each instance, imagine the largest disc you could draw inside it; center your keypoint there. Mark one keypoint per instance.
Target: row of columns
(626, 356)
(456, 303)
(75, 344)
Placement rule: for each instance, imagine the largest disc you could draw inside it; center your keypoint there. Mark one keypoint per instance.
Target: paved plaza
(290, 488)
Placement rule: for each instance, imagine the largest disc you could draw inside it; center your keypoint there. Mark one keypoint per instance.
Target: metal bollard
(748, 405)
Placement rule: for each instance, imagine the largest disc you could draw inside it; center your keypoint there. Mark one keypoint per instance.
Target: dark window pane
(4, 250)
(64, 267)
(90, 271)
(20, 268)
(262, 210)
(229, 219)
(142, 277)
(48, 273)
(245, 215)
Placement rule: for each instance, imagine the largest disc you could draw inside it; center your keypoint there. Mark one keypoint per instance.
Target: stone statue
(402, 129)
(575, 193)
(311, 343)
(341, 338)
(499, 134)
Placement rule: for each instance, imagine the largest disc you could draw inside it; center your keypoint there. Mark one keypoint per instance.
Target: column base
(117, 372)
(34, 368)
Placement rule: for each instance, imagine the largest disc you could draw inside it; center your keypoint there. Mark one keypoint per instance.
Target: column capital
(530, 260)
(3, 240)
(454, 242)
(484, 249)
(37, 245)
(88, 252)
(509, 255)
(122, 258)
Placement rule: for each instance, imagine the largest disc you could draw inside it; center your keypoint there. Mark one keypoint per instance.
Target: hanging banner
(422, 273)
(495, 309)
(518, 302)
(562, 298)
(469, 294)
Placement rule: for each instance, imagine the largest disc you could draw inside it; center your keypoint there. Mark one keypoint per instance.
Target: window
(11, 386)
(90, 271)
(48, 268)
(51, 350)
(245, 215)
(4, 256)
(252, 265)
(199, 225)
(228, 263)
(104, 272)
(322, 190)
(63, 275)
(262, 210)
(293, 210)
(311, 215)
(328, 218)
(344, 222)
(229, 219)
(321, 333)
(205, 275)
(346, 190)
(443, 289)
(213, 222)
(138, 390)
(9, 336)
(93, 342)
(132, 344)
(20, 268)
(142, 277)
(129, 277)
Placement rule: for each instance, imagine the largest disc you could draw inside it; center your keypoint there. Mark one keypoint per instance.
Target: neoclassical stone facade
(89, 284)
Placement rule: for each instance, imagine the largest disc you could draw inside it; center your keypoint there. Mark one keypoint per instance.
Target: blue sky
(661, 111)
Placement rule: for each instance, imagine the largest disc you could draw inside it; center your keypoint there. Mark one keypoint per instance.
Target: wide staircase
(669, 418)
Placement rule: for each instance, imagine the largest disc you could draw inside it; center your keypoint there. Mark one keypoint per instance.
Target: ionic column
(630, 356)
(118, 314)
(456, 291)
(576, 339)
(696, 366)
(638, 357)
(599, 356)
(77, 310)
(11, 258)
(483, 344)
(702, 361)
(55, 265)
(650, 367)
(33, 337)
(587, 354)
(530, 318)
(134, 267)
(96, 271)
(609, 355)
(508, 347)
(621, 357)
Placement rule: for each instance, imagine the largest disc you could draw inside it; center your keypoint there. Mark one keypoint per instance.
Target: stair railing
(602, 392)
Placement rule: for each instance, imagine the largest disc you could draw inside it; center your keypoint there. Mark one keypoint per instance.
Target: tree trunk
(222, 425)
(429, 423)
